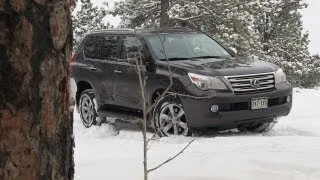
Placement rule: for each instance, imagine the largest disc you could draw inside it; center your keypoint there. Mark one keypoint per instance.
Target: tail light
(73, 59)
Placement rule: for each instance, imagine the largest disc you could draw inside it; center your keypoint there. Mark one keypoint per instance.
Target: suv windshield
(185, 46)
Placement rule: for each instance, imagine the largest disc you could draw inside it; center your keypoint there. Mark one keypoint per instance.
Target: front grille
(243, 84)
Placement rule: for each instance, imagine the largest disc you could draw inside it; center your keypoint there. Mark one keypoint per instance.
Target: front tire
(169, 117)
(87, 108)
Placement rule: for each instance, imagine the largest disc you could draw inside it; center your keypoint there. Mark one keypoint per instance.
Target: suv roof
(143, 31)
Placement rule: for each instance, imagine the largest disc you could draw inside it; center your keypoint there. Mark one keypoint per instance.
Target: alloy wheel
(172, 120)
(87, 110)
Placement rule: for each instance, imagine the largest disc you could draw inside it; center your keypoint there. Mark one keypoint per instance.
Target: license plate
(259, 103)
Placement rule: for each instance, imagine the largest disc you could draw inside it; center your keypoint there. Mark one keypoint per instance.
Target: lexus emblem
(255, 83)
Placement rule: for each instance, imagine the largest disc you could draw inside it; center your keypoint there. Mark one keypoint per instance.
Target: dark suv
(211, 86)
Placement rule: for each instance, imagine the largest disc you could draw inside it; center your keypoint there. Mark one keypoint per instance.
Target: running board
(131, 117)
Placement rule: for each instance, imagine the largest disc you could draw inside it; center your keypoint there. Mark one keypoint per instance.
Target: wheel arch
(158, 92)
(82, 86)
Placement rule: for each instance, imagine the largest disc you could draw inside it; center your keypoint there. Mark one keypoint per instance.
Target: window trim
(122, 36)
(102, 60)
(128, 35)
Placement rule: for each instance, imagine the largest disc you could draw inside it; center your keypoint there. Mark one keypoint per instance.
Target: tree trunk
(35, 128)
(266, 34)
(164, 17)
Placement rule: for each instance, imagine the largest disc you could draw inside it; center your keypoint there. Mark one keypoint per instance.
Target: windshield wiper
(185, 58)
(206, 57)
(175, 59)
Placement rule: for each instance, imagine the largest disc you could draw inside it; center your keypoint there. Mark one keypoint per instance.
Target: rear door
(100, 51)
(126, 79)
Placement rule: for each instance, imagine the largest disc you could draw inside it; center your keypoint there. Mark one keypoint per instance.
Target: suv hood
(225, 67)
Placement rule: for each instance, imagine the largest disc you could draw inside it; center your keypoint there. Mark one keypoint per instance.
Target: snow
(290, 151)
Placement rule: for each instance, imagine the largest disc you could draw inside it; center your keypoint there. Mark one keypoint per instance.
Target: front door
(126, 78)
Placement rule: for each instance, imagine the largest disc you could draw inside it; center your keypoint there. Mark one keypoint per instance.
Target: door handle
(92, 68)
(117, 71)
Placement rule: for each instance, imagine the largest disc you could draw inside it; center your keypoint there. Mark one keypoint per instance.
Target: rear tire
(258, 128)
(87, 108)
(169, 117)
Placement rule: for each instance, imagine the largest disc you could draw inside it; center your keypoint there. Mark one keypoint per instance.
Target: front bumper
(235, 110)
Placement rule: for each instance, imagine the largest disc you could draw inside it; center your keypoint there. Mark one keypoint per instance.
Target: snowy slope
(290, 152)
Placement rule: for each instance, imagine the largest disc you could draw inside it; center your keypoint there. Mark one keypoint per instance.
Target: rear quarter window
(101, 46)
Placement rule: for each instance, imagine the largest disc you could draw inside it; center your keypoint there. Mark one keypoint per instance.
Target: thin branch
(142, 82)
(146, 18)
(189, 18)
(281, 49)
(171, 158)
(152, 138)
(170, 77)
(278, 18)
(213, 16)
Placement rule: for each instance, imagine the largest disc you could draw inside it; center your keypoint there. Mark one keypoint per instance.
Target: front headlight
(207, 82)
(280, 76)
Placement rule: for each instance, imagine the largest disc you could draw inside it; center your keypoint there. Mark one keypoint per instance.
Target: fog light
(214, 108)
(289, 98)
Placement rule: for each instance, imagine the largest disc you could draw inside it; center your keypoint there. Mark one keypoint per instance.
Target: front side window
(185, 46)
(131, 47)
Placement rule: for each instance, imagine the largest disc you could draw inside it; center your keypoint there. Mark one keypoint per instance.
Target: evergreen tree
(88, 18)
(282, 39)
(312, 78)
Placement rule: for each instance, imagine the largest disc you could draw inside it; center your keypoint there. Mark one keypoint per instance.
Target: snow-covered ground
(289, 152)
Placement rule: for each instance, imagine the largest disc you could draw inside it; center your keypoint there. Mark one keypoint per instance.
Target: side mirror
(234, 50)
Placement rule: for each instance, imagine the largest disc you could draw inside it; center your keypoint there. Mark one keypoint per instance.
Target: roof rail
(120, 29)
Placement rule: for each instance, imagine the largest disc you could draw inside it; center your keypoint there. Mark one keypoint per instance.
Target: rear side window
(101, 46)
(131, 46)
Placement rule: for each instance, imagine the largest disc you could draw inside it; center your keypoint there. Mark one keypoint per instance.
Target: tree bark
(35, 126)
(164, 17)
